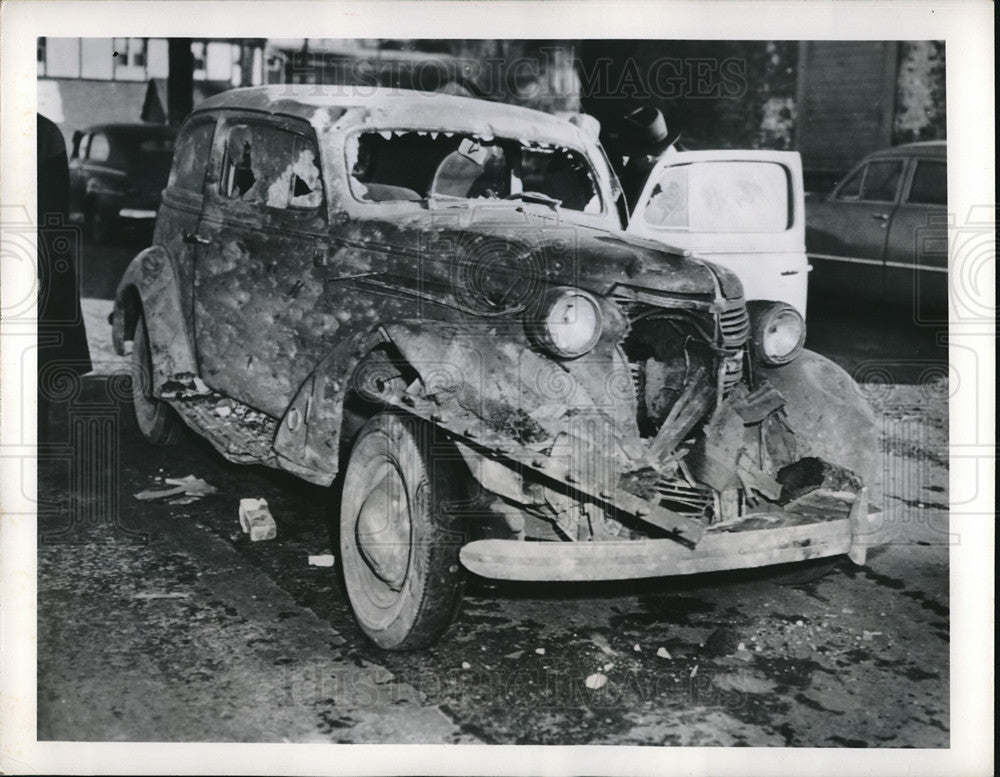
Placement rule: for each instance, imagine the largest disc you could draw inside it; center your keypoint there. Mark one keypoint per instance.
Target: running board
(240, 433)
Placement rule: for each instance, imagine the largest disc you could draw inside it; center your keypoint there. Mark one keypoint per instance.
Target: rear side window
(193, 148)
(272, 166)
(930, 184)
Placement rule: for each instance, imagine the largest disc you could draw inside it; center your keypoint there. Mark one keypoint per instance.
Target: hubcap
(383, 530)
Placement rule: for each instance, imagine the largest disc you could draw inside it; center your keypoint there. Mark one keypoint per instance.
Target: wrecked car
(430, 301)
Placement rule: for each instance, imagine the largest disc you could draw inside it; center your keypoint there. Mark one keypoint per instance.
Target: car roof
(937, 149)
(391, 107)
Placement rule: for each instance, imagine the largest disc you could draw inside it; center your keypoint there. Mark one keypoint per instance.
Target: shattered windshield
(393, 166)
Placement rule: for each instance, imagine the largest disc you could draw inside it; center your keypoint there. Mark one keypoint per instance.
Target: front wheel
(400, 532)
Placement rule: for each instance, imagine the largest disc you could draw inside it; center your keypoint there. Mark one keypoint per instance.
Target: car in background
(882, 231)
(117, 172)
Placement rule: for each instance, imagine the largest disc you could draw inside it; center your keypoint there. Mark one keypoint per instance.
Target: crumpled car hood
(598, 260)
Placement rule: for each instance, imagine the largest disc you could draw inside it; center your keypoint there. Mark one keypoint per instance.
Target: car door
(847, 232)
(740, 209)
(254, 286)
(916, 265)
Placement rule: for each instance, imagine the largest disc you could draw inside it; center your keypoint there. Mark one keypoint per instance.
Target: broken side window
(271, 166)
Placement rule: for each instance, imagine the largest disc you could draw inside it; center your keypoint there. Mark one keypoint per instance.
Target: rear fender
(149, 286)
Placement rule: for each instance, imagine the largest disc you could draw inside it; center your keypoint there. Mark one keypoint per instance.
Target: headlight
(777, 332)
(567, 323)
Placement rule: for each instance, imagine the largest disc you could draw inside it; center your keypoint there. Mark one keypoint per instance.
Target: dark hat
(645, 131)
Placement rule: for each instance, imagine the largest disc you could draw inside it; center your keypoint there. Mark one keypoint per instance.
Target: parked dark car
(117, 172)
(882, 231)
(433, 298)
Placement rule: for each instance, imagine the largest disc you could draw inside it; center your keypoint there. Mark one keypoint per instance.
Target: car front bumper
(723, 547)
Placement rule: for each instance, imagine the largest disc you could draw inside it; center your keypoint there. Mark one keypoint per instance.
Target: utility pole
(180, 79)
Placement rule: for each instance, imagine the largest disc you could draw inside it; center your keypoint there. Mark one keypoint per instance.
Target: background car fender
(830, 416)
(149, 285)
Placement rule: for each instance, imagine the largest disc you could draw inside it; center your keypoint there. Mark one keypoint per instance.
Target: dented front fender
(831, 417)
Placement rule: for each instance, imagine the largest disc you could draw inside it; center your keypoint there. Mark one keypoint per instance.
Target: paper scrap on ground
(189, 486)
(321, 561)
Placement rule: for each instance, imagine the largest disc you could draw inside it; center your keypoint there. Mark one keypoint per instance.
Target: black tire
(400, 532)
(803, 572)
(155, 418)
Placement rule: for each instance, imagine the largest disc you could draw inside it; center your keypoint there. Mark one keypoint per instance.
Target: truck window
(721, 197)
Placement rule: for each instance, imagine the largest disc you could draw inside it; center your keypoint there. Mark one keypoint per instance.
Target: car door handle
(880, 217)
(196, 239)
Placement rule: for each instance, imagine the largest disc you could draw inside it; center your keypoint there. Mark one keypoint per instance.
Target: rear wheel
(400, 532)
(155, 418)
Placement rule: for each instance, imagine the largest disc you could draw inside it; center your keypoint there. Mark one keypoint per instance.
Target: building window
(40, 55)
(130, 59)
(198, 57)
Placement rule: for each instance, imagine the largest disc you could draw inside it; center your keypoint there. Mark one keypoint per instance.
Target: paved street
(162, 621)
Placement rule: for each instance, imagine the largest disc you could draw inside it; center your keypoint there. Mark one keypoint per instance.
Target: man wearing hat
(645, 136)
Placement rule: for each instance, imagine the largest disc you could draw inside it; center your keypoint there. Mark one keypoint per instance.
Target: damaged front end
(666, 449)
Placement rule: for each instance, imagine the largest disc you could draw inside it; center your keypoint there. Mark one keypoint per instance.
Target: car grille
(681, 497)
(735, 325)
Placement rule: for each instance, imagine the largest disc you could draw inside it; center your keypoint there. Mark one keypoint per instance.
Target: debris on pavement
(663, 653)
(256, 520)
(540, 651)
(867, 635)
(744, 682)
(466, 665)
(163, 595)
(596, 681)
(324, 560)
(189, 486)
(694, 671)
(636, 648)
(601, 641)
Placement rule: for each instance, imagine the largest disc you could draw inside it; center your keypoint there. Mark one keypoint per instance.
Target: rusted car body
(433, 298)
